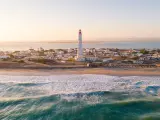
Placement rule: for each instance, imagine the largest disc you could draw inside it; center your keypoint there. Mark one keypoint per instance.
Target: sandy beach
(101, 71)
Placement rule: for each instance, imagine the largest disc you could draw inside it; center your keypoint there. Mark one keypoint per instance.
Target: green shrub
(143, 51)
(21, 61)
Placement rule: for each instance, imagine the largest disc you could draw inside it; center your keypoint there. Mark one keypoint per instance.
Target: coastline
(97, 71)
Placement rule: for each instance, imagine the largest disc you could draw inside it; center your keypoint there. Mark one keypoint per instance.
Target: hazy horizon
(95, 40)
(60, 20)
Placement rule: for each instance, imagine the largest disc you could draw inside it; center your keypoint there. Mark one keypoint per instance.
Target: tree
(11, 56)
(21, 61)
(143, 51)
(41, 54)
(51, 50)
(71, 60)
(41, 60)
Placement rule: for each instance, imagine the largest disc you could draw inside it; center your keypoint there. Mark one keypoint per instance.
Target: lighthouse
(80, 48)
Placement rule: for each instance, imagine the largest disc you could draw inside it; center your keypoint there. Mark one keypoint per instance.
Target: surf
(72, 97)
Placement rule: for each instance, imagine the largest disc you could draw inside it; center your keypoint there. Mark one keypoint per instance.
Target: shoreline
(97, 71)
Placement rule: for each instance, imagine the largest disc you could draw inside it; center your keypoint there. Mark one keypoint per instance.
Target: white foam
(56, 84)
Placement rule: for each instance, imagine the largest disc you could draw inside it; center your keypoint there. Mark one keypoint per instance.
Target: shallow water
(79, 97)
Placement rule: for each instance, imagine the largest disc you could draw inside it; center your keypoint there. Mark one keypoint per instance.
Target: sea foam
(79, 97)
(21, 86)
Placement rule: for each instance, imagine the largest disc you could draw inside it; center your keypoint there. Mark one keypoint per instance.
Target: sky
(60, 20)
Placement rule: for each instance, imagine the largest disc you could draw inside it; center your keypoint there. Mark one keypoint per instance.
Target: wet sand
(104, 71)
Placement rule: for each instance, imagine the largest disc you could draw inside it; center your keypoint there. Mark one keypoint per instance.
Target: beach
(100, 71)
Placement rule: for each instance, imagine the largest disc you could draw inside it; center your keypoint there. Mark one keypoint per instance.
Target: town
(92, 57)
(81, 57)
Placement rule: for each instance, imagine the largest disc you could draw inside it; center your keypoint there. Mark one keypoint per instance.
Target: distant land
(106, 40)
(133, 39)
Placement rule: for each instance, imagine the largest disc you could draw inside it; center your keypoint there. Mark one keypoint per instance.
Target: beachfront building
(4, 56)
(91, 58)
(106, 60)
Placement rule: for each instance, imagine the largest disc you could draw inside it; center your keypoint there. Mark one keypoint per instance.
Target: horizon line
(142, 39)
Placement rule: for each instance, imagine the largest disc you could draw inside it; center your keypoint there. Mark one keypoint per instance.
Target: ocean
(79, 97)
(12, 46)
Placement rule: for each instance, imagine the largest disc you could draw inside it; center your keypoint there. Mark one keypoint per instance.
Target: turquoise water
(97, 106)
(27, 45)
(79, 97)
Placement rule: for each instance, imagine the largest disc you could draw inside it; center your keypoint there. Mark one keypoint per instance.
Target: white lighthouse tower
(80, 48)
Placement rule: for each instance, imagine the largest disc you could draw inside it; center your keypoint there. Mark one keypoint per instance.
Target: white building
(4, 57)
(80, 48)
(107, 60)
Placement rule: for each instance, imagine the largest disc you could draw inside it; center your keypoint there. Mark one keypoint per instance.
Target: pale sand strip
(115, 72)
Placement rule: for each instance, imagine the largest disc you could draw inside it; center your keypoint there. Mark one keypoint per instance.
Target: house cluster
(132, 56)
(105, 55)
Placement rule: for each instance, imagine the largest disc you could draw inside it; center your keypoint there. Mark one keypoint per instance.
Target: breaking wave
(79, 97)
